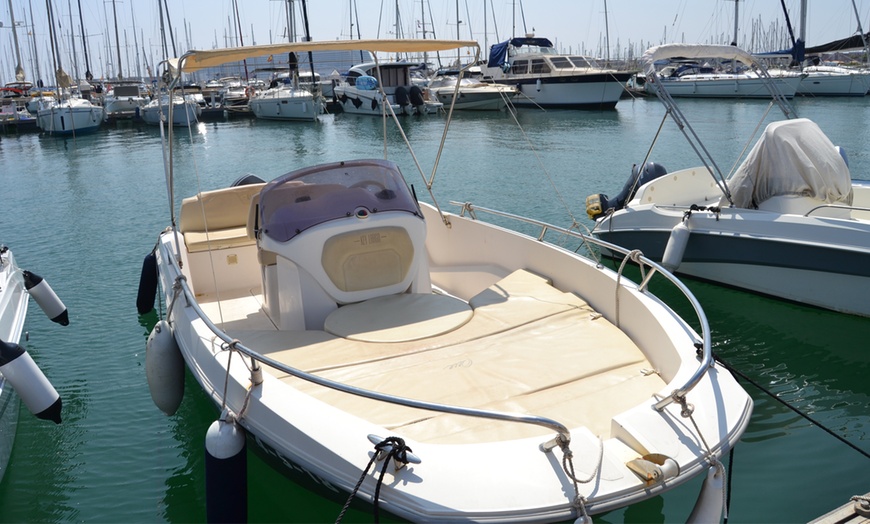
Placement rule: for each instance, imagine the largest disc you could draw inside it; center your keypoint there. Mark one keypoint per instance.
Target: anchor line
(789, 406)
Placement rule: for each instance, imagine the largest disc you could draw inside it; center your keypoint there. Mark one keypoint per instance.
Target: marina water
(84, 212)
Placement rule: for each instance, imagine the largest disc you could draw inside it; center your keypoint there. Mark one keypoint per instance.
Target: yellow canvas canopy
(196, 60)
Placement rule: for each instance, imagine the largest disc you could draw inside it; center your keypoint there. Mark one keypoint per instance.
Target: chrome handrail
(707, 352)
(564, 435)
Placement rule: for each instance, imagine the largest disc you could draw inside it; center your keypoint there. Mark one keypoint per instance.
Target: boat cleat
(654, 468)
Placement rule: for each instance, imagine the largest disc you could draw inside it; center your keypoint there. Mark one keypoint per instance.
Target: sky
(573, 25)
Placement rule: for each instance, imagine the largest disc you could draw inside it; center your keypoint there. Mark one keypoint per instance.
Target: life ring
(249, 92)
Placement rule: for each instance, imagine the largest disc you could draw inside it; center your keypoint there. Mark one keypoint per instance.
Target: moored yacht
(549, 79)
(369, 87)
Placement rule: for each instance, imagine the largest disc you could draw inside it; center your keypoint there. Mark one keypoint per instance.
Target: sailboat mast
(169, 23)
(308, 39)
(88, 75)
(72, 42)
(162, 30)
(241, 42)
(35, 54)
(19, 71)
(136, 45)
(55, 55)
(606, 35)
(117, 40)
(736, 18)
(860, 30)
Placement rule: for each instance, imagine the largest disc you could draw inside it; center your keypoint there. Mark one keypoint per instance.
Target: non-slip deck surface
(528, 348)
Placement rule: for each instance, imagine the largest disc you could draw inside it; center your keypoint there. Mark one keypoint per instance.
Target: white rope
(568, 466)
(634, 255)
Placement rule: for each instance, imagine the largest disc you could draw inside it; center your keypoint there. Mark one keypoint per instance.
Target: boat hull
(714, 86)
(304, 108)
(183, 113)
(475, 99)
(371, 102)
(289, 422)
(585, 91)
(818, 261)
(13, 310)
(834, 84)
(61, 119)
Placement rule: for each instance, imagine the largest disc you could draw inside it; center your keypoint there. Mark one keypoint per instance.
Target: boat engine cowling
(416, 96)
(599, 204)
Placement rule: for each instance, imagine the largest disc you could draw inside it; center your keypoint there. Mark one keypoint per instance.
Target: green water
(83, 213)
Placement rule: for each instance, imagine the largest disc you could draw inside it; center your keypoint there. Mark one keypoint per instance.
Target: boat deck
(525, 347)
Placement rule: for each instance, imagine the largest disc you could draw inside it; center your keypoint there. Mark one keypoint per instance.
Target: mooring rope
(398, 450)
(568, 467)
(789, 406)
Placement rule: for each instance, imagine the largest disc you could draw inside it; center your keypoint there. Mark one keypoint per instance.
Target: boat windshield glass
(582, 61)
(294, 202)
(561, 62)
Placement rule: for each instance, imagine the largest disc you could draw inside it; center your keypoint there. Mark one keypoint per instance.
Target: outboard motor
(401, 96)
(597, 205)
(416, 95)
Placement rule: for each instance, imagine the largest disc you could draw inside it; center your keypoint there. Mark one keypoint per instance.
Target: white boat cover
(792, 157)
(668, 51)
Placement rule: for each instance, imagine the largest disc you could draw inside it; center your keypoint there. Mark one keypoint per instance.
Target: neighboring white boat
(369, 88)
(549, 79)
(789, 222)
(473, 94)
(686, 76)
(20, 377)
(328, 310)
(69, 116)
(287, 100)
(830, 80)
(125, 99)
(185, 110)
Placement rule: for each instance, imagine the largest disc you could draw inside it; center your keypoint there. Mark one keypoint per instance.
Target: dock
(856, 511)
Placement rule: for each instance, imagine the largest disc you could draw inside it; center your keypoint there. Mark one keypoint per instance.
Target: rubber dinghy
(419, 359)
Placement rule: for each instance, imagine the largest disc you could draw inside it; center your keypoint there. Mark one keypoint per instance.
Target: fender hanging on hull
(29, 382)
(46, 298)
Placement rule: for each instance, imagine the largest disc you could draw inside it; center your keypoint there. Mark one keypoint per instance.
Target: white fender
(538, 85)
(164, 368)
(226, 466)
(29, 382)
(676, 246)
(48, 301)
(710, 503)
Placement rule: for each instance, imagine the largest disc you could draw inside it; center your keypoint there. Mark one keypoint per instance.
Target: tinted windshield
(294, 202)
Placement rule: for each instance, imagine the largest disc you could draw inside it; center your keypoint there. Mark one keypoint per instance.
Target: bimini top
(792, 157)
(301, 199)
(669, 51)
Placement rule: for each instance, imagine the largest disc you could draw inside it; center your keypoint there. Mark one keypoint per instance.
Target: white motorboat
(287, 100)
(342, 323)
(473, 94)
(185, 110)
(696, 71)
(125, 99)
(20, 377)
(549, 79)
(69, 115)
(789, 222)
(369, 88)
